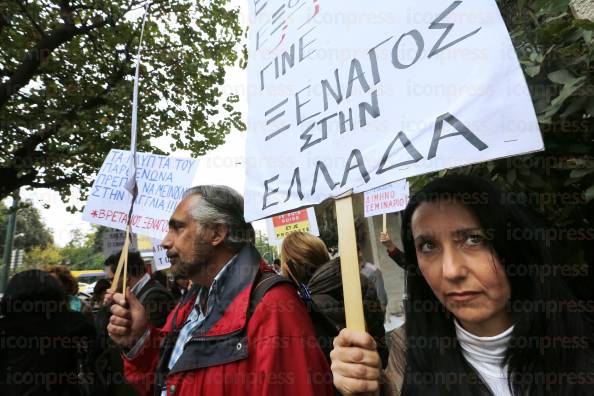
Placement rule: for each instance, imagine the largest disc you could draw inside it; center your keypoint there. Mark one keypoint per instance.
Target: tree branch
(30, 18)
(66, 12)
(42, 50)
(33, 140)
(4, 20)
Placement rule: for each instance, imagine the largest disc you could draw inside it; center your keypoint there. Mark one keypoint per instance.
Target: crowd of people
(486, 313)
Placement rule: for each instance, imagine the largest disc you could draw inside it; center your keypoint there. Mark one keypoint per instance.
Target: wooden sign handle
(385, 223)
(122, 264)
(349, 264)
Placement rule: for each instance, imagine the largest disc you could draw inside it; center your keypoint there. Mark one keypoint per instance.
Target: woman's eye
(426, 246)
(475, 240)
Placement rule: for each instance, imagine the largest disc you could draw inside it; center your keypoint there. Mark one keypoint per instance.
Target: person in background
(44, 346)
(161, 278)
(98, 294)
(373, 273)
(398, 256)
(306, 261)
(70, 287)
(276, 265)
(181, 285)
(491, 311)
(395, 254)
(155, 298)
(157, 302)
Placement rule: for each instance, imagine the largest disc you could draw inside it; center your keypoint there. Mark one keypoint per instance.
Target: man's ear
(220, 232)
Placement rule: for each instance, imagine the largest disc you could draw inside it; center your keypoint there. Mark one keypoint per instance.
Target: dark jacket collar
(230, 314)
(148, 287)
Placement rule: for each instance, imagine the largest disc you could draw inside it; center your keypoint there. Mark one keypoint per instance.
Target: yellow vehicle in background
(87, 279)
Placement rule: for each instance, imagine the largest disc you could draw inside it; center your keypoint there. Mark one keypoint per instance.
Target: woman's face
(455, 259)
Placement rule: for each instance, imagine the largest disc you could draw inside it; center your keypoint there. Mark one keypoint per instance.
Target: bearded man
(240, 330)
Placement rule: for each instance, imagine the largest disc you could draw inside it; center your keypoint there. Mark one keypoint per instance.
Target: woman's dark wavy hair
(550, 338)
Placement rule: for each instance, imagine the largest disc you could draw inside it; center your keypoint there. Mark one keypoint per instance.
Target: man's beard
(188, 269)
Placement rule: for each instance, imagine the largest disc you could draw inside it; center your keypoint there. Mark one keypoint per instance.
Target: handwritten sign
(390, 198)
(160, 255)
(282, 225)
(162, 180)
(349, 96)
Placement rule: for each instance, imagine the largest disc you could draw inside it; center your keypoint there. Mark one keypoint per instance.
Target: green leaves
(569, 88)
(56, 131)
(562, 76)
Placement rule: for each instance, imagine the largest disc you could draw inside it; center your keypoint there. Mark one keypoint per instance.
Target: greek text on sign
(162, 180)
(390, 198)
(160, 255)
(303, 220)
(351, 96)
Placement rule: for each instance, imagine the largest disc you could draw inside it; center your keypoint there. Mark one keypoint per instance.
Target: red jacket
(277, 355)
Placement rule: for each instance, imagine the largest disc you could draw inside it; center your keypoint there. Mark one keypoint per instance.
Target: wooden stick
(349, 264)
(124, 281)
(385, 223)
(122, 264)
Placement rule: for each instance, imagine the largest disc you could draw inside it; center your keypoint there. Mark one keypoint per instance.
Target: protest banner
(300, 220)
(350, 96)
(162, 180)
(389, 198)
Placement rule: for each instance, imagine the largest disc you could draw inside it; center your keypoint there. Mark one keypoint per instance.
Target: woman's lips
(462, 296)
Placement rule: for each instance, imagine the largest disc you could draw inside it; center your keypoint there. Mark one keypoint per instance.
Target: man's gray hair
(222, 205)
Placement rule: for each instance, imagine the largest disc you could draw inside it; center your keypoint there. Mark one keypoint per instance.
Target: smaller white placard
(388, 198)
(160, 255)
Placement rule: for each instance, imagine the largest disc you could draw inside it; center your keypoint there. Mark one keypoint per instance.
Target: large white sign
(390, 198)
(162, 180)
(350, 95)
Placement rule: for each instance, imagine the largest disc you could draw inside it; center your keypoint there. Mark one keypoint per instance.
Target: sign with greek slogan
(347, 96)
(161, 180)
(280, 226)
(390, 198)
(160, 255)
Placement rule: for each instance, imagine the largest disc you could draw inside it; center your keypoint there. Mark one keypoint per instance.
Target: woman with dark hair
(43, 345)
(490, 312)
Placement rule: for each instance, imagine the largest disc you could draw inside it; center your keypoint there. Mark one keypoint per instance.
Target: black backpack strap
(264, 282)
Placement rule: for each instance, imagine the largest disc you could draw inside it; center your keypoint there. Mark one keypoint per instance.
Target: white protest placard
(349, 95)
(162, 180)
(300, 220)
(160, 256)
(390, 198)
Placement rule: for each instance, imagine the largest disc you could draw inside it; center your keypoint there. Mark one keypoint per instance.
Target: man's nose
(167, 242)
